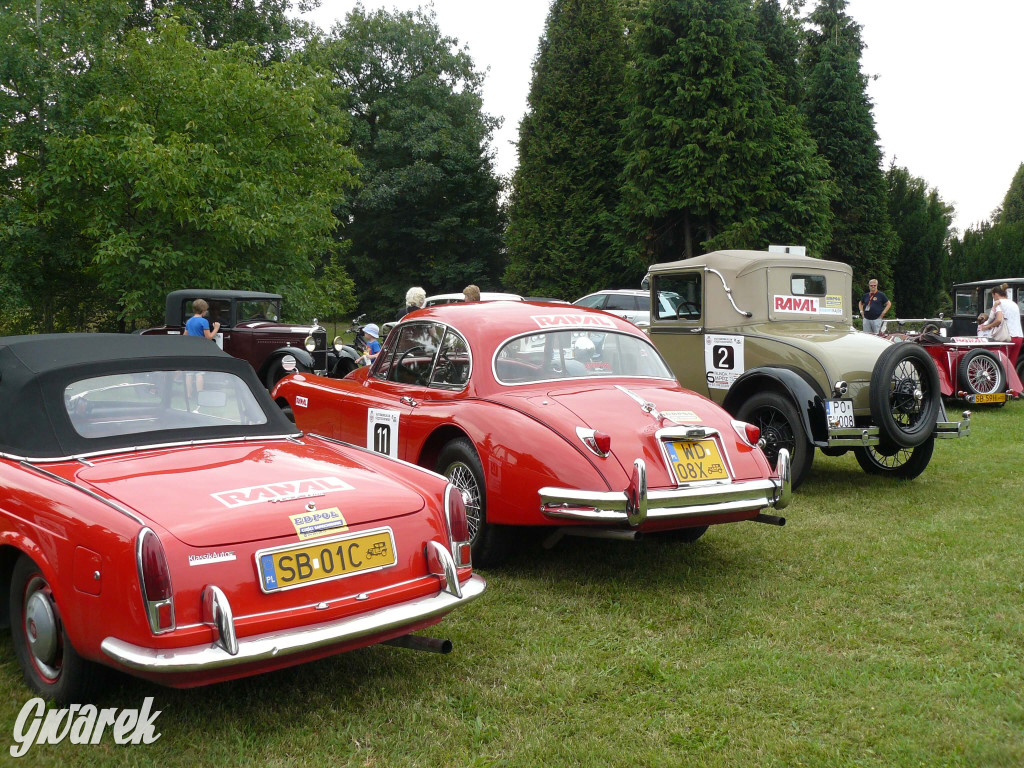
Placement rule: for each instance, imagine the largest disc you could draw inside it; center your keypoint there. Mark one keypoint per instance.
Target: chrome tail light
(748, 433)
(155, 581)
(458, 526)
(598, 442)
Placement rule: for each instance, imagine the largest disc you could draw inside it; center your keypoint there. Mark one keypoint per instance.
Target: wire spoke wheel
(461, 476)
(909, 391)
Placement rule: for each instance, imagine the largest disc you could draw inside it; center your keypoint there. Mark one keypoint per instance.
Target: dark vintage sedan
(160, 515)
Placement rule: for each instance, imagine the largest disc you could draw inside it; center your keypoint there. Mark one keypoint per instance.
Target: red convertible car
(972, 369)
(547, 415)
(160, 515)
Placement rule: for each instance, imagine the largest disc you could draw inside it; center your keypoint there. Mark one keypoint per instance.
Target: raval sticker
(301, 401)
(282, 491)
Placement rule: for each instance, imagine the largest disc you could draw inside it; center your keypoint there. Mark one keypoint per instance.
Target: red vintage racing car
(160, 515)
(547, 415)
(972, 369)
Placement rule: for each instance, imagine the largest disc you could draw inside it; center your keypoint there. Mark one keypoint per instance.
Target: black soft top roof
(172, 307)
(36, 370)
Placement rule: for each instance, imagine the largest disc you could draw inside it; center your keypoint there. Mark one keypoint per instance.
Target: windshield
(151, 401)
(577, 354)
(263, 309)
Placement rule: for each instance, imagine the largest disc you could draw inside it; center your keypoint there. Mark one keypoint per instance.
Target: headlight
(338, 343)
(310, 344)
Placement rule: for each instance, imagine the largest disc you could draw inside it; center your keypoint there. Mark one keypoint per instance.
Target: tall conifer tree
(839, 114)
(713, 156)
(566, 184)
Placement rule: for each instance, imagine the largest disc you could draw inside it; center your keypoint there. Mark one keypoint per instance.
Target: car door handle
(406, 400)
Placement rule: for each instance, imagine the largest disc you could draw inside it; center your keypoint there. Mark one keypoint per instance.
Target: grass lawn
(883, 626)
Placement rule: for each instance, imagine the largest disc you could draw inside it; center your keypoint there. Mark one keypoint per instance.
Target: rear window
(152, 401)
(807, 285)
(567, 354)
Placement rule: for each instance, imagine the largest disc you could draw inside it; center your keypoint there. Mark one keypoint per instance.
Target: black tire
(903, 463)
(51, 666)
(687, 535)
(344, 367)
(288, 412)
(459, 462)
(980, 373)
(902, 371)
(781, 427)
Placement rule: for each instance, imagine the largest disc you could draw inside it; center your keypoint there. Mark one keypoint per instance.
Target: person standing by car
(198, 325)
(1006, 311)
(873, 306)
(414, 299)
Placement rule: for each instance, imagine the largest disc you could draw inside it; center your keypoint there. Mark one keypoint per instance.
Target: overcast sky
(947, 95)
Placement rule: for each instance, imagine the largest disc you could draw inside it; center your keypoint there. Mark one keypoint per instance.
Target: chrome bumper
(636, 504)
(273, 645)
(859, 436)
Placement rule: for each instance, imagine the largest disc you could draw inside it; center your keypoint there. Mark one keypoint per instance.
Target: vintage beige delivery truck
(770, 336)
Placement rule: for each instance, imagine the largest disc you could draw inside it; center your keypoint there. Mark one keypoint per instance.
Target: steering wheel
(400, 365)
(692, 310)
(930, 328)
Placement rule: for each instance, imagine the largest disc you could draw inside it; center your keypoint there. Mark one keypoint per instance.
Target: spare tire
(905, 395)
(981, 373)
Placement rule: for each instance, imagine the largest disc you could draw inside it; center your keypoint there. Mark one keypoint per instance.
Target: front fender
(805, 394)
(303, 360)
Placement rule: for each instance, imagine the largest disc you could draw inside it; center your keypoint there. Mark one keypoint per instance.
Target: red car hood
(228, 494)
(615, 413)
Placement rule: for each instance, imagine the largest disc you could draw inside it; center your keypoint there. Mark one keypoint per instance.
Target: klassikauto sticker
(285, 490)
(211, 557)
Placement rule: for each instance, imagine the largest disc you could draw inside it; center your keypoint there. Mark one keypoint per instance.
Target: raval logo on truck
(283, 491)
(803, 304)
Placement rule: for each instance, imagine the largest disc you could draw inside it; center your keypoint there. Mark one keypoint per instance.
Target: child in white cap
(373, 345)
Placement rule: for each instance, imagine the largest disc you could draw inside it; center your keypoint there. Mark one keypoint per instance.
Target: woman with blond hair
(1006, 311)
(414, 299)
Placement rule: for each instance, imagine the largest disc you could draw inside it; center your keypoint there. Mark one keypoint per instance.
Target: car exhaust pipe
(417, 643)
(769, 519)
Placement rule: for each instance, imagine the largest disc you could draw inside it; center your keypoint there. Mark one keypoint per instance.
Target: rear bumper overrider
(636, 504)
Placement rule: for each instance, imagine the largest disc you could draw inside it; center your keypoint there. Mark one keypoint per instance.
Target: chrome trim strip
(137, 448)
(71, 484)
(272, 645)
(611, 506)
(728, 292)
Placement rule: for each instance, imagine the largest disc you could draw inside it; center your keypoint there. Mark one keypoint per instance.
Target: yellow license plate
(297, 566)
(996, 397)
(695, 460)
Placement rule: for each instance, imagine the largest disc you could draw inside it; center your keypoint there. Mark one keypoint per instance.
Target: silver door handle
(406, 400)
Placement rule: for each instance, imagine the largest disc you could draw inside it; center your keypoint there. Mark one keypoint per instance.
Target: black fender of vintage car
(303, 360)
(791, 382)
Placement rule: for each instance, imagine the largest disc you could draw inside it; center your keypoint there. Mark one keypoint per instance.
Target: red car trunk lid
(210, 496)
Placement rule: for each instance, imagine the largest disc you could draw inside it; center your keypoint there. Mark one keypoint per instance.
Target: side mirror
(646, 282)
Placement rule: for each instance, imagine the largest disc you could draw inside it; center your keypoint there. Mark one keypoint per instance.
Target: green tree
(777, 28)
(428, 212)
(560, 228)
(196, 166)
(839, 115)
(923, 225)
(713, 157)
(1012, 209)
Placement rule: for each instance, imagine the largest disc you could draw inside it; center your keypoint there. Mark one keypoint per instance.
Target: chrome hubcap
(42, 629)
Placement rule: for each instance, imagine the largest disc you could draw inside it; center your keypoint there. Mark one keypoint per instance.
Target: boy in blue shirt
(198, 325)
